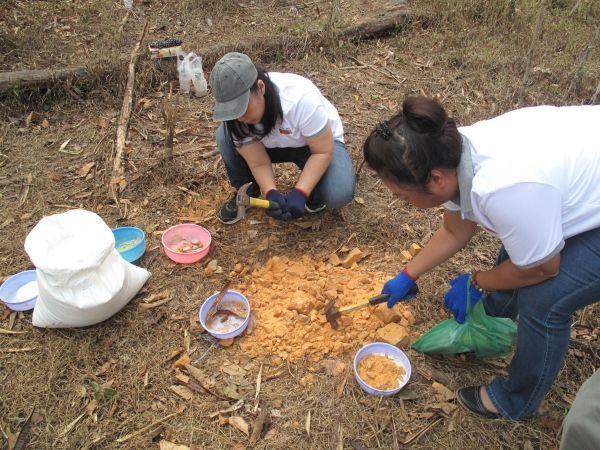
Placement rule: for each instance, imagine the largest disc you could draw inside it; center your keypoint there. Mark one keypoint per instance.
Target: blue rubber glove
(397, 288)
(295, 202)
(282, 213)
(456, 297)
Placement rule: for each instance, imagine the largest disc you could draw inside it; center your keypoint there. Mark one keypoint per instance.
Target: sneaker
(228, 212)
(314, 207)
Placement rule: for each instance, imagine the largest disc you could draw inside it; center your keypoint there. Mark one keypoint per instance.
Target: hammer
(333, 314)
(243, 200)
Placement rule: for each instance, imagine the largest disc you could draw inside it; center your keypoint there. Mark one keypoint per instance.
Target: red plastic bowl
(177, 235)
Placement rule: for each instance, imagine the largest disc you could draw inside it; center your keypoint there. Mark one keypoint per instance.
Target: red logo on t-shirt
(285, 131)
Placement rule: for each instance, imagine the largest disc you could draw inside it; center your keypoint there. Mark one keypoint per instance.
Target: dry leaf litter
(288, 297)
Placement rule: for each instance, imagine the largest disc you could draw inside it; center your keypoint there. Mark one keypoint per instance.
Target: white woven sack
(82, 279)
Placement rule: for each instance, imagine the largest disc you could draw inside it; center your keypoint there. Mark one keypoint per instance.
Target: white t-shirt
(305, 113)
(536, 178)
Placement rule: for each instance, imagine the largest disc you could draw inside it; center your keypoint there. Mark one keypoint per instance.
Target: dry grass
(469, 53)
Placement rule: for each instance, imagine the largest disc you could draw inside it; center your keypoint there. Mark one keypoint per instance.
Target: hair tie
(384, 130)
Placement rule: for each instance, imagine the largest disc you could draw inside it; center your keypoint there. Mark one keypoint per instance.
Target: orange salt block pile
(288, 299)
(380, 372)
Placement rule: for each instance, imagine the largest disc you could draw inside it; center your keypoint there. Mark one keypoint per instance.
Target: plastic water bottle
(185, 77)
(128, 4)
(197, 75)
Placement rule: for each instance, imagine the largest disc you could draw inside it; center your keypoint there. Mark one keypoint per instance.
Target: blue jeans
(544, 325)
(336, 187)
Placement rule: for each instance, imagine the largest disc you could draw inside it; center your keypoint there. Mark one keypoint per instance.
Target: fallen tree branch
(117, 182)
(23, 79)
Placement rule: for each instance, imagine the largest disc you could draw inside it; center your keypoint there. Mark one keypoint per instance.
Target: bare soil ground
(472, 55)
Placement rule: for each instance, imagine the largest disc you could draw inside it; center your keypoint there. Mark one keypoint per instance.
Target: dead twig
(169, 113)
(24, 433)
(124, 21)
(146, 428)
(413, 437)
(25, 189)
(17, 350)
(382, 72)
(209, 153)
(118, 182)
(3, 331)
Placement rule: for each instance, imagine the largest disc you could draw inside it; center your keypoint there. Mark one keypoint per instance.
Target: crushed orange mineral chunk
(288, 298)
(380, 372)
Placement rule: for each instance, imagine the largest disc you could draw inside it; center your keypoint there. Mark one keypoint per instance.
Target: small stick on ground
(146, 428)
(169, 113)
(24, 433)
(123, 22)
(118, 182)
(413, 437)
(208, 154)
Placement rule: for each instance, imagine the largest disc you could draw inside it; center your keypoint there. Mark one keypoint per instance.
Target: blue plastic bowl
(389, 350)
(20, 291)
(130, 242)
(230, 297)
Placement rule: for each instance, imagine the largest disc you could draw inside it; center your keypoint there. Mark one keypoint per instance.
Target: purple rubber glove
(397, 288)
(295, 202)
(282, 213)
(456, 297)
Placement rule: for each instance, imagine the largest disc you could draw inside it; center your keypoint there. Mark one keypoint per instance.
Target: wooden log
(24, 79)
(379, 24)
(118, 182)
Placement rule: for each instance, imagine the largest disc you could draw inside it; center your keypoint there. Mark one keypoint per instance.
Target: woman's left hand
(456, 297)
(295, 202)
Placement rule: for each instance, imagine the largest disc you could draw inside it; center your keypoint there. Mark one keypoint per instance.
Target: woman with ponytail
(530, 178)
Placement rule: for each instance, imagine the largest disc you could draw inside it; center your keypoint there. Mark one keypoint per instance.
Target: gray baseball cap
(231, 79)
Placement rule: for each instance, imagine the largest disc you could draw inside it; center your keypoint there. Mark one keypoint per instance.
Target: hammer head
(332, 314)
(242, 200)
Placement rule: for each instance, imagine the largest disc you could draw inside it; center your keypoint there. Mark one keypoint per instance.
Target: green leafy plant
(101, 392)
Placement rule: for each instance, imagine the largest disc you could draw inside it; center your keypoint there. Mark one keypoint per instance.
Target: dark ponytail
(418, 139)
(238, 130)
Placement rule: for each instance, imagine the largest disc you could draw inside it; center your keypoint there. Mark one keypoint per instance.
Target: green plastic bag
(484, 335)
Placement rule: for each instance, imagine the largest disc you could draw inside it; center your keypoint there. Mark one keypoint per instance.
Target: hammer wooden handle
(265, 204)
(381, 298)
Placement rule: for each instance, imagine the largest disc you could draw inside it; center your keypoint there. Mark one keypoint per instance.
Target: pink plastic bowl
(174, 236)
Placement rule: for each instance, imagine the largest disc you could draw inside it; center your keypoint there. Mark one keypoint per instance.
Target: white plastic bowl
(382, 349)
(230, 297)
(20, 291)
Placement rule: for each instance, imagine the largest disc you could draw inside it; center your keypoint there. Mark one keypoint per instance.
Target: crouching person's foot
(228, 214)
(477, 400)
(314, 206)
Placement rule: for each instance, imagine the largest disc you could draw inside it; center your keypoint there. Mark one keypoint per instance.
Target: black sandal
(469, 398)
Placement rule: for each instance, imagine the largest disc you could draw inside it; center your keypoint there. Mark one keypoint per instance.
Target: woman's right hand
(282, 212)
(397, 288)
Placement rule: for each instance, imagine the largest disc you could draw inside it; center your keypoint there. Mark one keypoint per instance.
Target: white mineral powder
(27, 291)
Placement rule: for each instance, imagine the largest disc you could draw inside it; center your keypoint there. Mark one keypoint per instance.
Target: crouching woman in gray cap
(272, 117)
